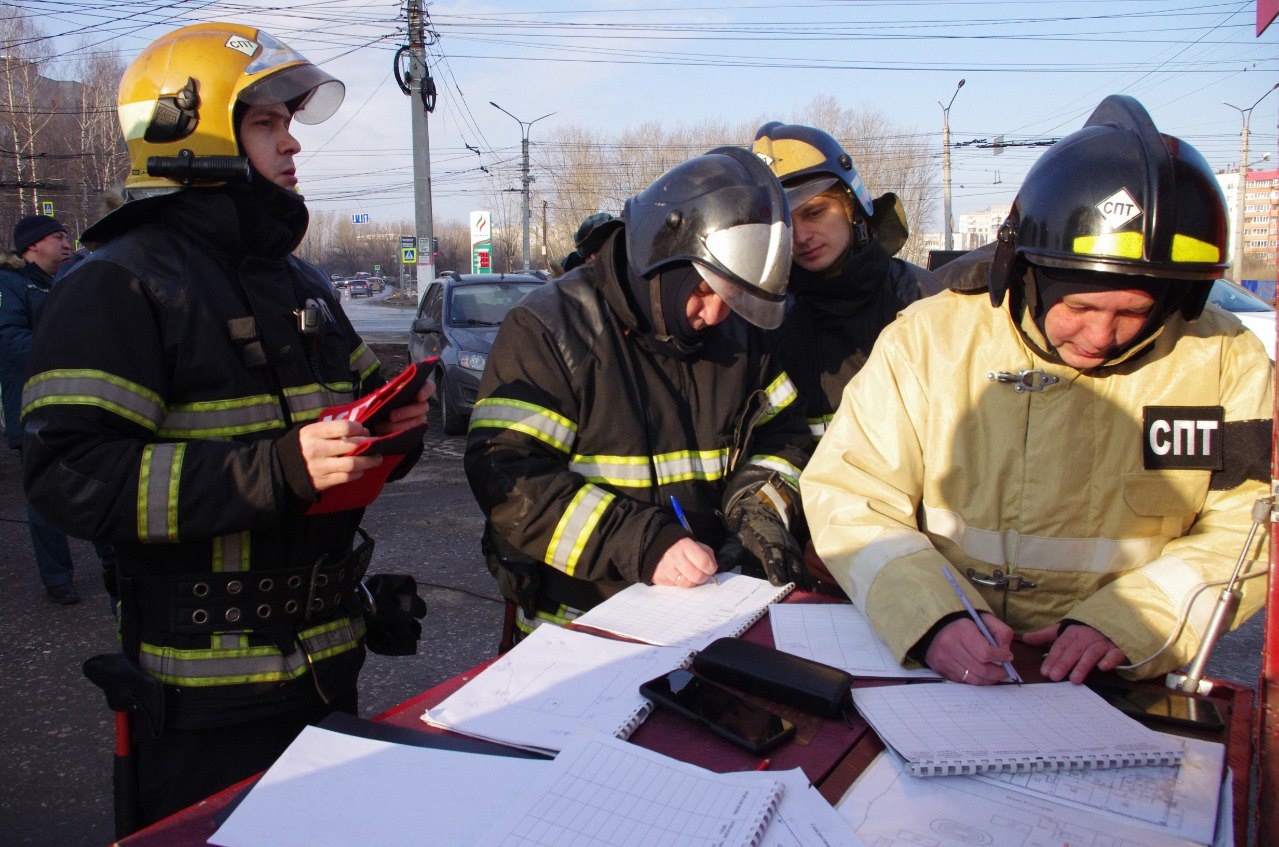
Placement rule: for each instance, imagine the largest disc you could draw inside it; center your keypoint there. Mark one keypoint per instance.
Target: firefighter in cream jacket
(1084, 455)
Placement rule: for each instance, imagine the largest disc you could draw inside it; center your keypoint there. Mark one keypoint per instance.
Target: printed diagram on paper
(887, 807)
(838, 635)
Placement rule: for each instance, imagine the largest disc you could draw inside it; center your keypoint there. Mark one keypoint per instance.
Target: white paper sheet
(839, 635)
(335, 789)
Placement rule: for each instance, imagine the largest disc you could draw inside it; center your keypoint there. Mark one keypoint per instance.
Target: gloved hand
(762, 546)
(392, 612)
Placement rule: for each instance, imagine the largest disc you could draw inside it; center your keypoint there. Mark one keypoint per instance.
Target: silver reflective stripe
(889, 546)
(777, 463)
(781, 393)
(689, 464)
(1088, 555)
(305, 402)
(222, 418)
(817, 426)
(618, 471)
(94, 388)
(363, 361)
(158, 476)
(231, 553)
(239, 664)
(539, 422)
(575, 527)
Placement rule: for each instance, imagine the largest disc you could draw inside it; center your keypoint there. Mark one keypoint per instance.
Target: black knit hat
(32, 228)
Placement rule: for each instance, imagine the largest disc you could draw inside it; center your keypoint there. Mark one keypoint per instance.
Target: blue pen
(972, 613)
(683, 521)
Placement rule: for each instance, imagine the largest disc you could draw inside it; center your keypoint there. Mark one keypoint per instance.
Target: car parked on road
(358, 288)
(457, 321)
(1251, 310)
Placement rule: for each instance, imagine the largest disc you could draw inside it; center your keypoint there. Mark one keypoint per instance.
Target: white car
(1248, 308)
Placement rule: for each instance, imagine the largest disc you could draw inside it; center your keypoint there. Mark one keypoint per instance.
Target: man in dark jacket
(40, 243)
(846, 280)
(628, 386)
(179, 419)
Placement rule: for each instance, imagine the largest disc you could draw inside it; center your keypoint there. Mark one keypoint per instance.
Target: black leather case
(779, 676)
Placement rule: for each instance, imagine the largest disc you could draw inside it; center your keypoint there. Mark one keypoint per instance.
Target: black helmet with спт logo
(1118, 197)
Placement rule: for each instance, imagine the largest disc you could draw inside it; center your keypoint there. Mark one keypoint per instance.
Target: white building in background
(973, 229)
(1260, 211)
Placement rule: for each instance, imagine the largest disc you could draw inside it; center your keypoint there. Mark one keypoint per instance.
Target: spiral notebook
(690, 617)
(601, 786)
(534, 696)
(952, 729)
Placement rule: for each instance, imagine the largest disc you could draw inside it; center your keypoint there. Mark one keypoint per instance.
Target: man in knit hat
(40, 243)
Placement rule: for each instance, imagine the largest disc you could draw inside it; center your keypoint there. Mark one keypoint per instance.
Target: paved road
(56, 733)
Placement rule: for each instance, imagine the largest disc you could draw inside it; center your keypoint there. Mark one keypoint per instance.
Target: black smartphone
(720, 710)
(1166, 706)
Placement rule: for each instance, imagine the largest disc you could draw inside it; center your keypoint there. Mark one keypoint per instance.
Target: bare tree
(103, 158)
(24, 113)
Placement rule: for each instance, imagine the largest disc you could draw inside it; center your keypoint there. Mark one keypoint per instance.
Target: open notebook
(555, 679)
(949, 729)
(690, 617)
(600, 786)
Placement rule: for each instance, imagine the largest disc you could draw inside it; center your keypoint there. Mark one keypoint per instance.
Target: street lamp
(1242, 190)
(524, 128)
(945, 146)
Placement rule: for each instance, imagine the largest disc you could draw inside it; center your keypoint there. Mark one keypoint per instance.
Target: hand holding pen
(687, 562)
(968, 672)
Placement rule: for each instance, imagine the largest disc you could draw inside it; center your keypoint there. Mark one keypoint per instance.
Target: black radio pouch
(781, 677)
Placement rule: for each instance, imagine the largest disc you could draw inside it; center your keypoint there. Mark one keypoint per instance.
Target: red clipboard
(370, 411)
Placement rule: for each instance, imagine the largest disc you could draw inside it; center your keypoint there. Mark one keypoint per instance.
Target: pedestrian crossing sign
(408, 255)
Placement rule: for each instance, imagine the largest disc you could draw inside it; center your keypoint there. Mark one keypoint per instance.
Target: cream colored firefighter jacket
(929, 461)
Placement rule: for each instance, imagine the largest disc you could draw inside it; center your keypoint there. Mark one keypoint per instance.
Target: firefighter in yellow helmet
(179, 421)
(1080, 442)
(846, 279)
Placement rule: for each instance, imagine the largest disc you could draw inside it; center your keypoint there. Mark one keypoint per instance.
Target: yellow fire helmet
(177, 102)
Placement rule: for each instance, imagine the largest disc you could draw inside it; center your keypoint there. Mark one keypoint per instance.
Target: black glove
(392, 614)
(762, 546)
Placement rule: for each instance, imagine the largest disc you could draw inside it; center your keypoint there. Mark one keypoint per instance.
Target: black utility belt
(199, 604)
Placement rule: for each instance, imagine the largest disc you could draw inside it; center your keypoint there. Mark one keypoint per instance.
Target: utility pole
(1241, 192)
(524, 129)
(546, 257)
(420, 88)
(945, 144)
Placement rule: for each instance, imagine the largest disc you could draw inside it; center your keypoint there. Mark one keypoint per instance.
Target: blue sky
(1033, 70)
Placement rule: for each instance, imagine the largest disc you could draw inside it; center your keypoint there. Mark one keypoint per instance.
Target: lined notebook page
(554, 680)
(949, 729)
(692, 617)
(603, 790)
(839, 635)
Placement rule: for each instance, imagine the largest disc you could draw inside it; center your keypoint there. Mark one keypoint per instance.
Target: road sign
(361, 218)
(377, 269)
(408, 255)
(408, 240)
(47, 208)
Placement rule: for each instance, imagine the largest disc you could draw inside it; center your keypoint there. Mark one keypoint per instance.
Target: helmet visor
(310, 93)
(757, 258)
(798, 195)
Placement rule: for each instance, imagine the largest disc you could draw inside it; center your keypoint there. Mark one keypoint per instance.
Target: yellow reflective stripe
(817, 426)
(1123, 245)
(691, 464)
(363, 361)
(781, 393)
(85, 387)
(536, 421)
(777, 463)
(231, 553)
(1187, 249)
(305, 402)
(158, 476)
(638, 471)
(575, 527)
(562, 615)
(618, 471)
(222, 418)
(242, 664)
